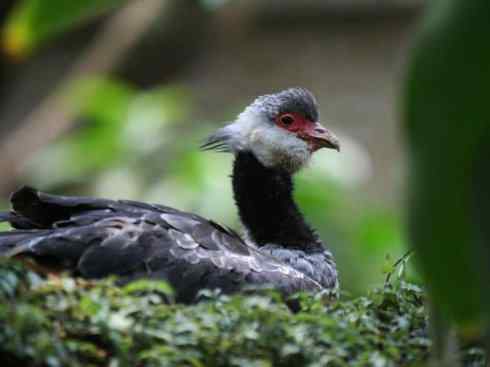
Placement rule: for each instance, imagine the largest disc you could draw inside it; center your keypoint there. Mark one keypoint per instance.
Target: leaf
(33, 22)
(140, 286)
(447, 124)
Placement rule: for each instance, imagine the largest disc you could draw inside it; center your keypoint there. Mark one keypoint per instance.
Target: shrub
(71, 322)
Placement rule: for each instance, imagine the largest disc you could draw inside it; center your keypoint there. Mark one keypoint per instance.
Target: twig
(396, 264)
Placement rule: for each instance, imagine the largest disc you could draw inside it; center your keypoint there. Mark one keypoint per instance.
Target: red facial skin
(293, 122)
(312, 132)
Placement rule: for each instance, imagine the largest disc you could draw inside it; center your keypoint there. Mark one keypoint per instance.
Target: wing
(95, 238)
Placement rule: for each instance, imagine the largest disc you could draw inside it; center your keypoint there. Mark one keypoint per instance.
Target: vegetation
(62, 321)
(447, 125)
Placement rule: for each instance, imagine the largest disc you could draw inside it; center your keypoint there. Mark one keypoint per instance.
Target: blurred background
(112, 98)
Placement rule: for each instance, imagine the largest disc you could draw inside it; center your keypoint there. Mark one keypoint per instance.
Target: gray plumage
(296, 99)
(94, 238)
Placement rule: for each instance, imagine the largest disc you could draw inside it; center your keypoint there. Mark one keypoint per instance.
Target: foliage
(122, 126)
(447, 124)
(62, 321)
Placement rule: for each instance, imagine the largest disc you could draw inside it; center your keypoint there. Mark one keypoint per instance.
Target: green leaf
(148, 286)
(33, 22)
(447, 121)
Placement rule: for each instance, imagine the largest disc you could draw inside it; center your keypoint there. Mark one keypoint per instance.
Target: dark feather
(95, 238)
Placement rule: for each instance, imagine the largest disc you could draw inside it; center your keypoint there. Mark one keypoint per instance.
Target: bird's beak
(320, 137)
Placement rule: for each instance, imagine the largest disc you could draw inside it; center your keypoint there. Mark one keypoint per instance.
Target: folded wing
(94, 238)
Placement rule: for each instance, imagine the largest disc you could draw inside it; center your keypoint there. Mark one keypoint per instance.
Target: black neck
(264, 197)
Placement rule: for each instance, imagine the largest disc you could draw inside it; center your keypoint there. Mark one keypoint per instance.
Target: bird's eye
(286, 119)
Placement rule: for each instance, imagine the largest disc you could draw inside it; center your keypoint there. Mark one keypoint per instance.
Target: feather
(219, 141)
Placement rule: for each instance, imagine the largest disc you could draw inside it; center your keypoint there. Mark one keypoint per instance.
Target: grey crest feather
(218, 141)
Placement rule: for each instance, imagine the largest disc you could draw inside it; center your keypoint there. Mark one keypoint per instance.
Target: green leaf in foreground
(447, 121)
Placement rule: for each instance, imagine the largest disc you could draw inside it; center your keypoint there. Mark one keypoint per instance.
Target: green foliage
(121, 125)
(62, 321)
(33, 22)
(447, 123)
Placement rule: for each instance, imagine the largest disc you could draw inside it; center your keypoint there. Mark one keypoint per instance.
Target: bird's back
(94, 238)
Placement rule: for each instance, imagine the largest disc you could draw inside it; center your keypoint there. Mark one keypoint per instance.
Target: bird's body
(94, 238)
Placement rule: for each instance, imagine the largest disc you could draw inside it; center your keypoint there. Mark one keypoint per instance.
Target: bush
(67, 322)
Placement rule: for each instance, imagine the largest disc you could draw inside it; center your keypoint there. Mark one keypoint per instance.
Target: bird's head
(282, 130)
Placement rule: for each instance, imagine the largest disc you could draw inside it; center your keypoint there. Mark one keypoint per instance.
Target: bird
(272, 139)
